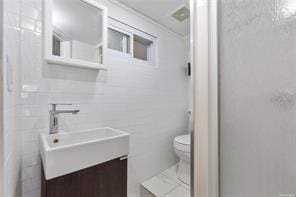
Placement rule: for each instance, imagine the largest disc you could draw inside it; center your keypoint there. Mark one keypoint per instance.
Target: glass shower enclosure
(257, 98)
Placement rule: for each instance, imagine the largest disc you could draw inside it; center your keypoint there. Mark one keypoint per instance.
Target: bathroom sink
(64, 153)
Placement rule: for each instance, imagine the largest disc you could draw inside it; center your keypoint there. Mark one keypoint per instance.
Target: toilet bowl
(182, 149)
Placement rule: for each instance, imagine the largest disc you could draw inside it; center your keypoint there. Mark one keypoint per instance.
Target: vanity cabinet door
(104, 180)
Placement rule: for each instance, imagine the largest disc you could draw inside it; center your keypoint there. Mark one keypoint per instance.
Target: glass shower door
(257, 85)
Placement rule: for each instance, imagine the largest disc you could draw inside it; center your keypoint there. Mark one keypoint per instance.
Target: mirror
(75, 33)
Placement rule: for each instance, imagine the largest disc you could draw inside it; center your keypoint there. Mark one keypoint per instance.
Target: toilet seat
(182, 143)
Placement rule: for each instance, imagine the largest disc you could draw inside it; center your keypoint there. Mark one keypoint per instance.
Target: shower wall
(10, 62)
(257, 97)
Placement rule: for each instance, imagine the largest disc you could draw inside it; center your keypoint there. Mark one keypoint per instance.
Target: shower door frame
(204, 58)
(2, 159)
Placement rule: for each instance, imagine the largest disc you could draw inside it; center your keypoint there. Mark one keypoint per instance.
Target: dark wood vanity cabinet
(108, 179)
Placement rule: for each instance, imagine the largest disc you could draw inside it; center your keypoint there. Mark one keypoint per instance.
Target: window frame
(131, 46)
(131, 31)
(151, 50)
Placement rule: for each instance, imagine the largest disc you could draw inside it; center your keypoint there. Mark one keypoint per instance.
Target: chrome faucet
(54, 117)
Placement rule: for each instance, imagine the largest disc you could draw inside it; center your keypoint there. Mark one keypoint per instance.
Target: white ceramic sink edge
(79, 150)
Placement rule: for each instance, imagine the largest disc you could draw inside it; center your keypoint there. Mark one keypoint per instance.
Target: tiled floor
(166, 184)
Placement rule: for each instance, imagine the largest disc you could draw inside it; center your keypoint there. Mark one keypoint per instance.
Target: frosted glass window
(118, 41)
(142, 48)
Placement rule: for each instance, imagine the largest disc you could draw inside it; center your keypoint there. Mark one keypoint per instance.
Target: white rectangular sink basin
(64, 153)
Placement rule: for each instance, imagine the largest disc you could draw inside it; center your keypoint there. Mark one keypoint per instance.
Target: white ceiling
(160, 11)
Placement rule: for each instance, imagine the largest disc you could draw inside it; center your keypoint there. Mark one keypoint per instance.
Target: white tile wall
(148, 102)
(12, 137)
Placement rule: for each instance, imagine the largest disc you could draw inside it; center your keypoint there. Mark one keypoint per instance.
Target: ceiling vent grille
(181, 14)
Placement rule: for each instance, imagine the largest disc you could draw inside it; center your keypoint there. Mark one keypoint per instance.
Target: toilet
(182, 149)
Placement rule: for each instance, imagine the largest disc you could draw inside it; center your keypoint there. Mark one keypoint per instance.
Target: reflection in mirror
(77, 30)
